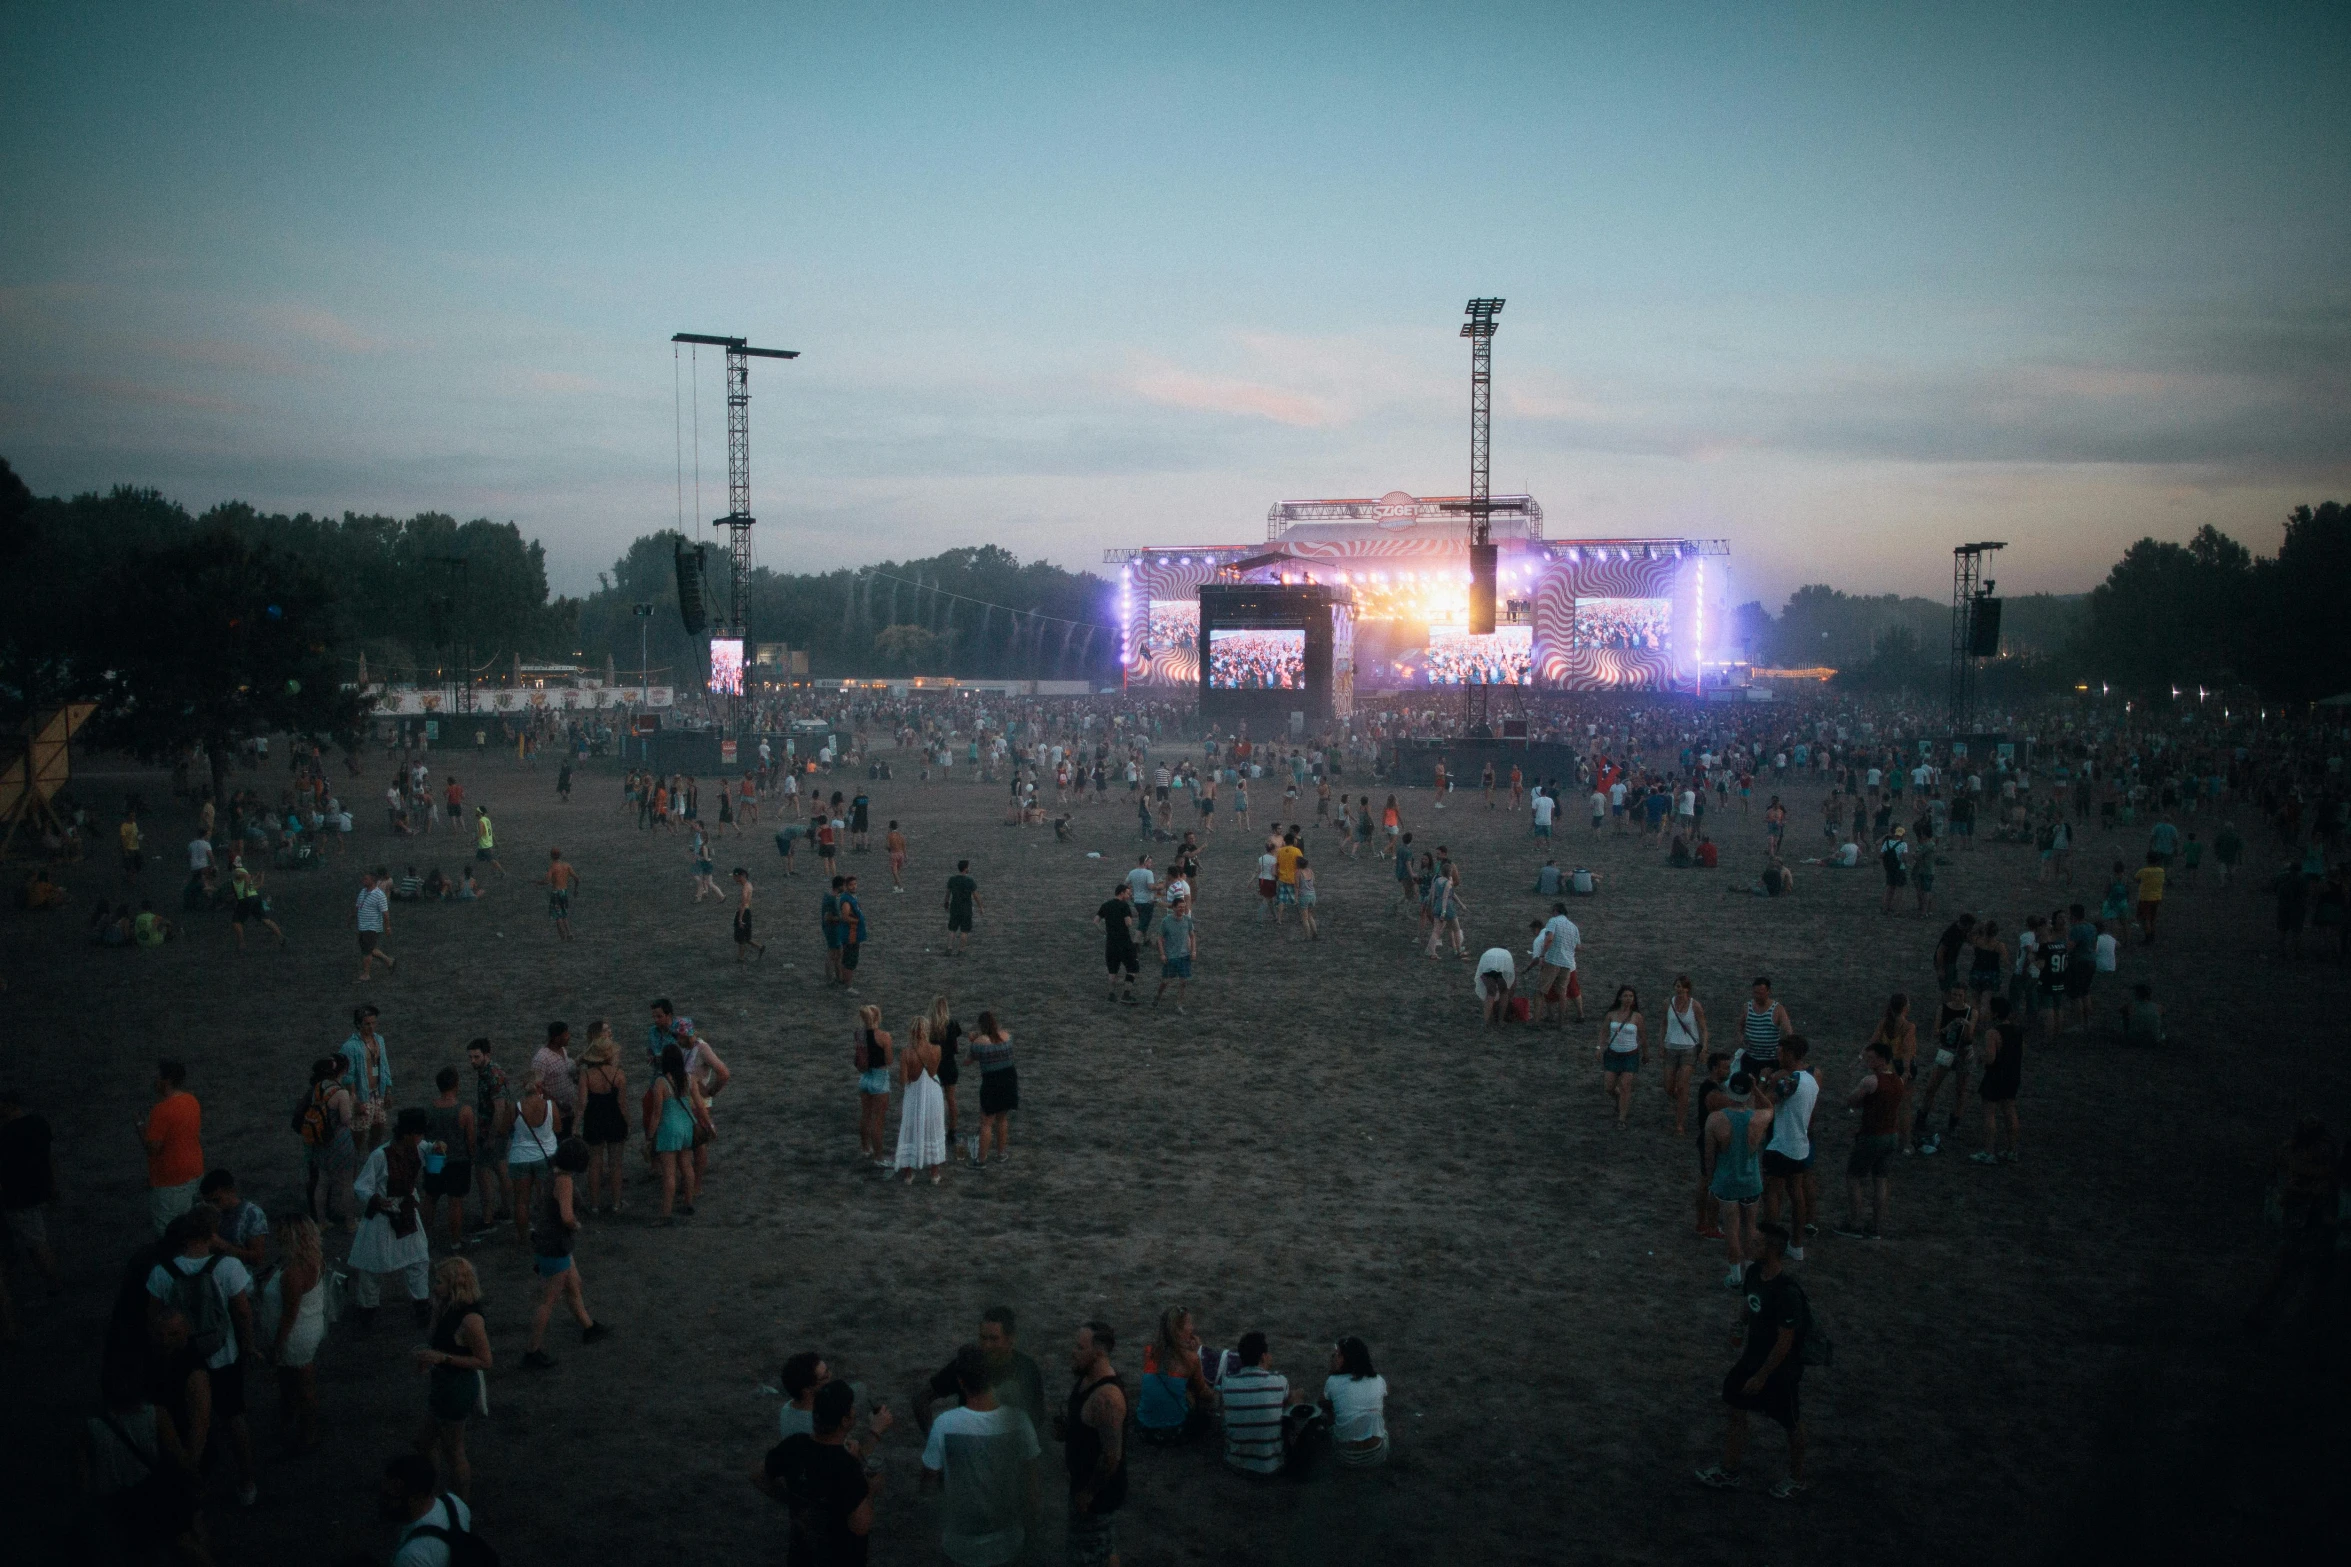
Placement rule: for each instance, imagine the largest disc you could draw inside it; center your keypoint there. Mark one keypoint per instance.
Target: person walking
(1869, 1171)
(1766, 1378)
(922, 1108)
(1762, 1026)
(171, 1133)
(962, 904)
(456, 1362)
(561, 882)
(1685, 1044)
(1179, 942)
(1624, 1046)
(1735, 1135)
(294, 1321)
(555, 1227)
(744, 944)
(1119, 954)
(373, 916)
(2003, 1079)
(704, 866)
(485, 840)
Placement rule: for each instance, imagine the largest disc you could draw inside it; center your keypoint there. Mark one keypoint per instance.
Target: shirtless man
(744, 945)
(896, 844)
(561, 881)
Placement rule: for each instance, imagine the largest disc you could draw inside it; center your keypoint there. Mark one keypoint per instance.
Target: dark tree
(214, 641)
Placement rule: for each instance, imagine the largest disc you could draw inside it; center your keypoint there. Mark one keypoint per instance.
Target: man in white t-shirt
(1544, 807)
(1145, 883)
(209, 1296)
(1556, 941)
(1599, 809)
(374, 915)
(1787, 1158)
(984, 1455)
(411, 1496)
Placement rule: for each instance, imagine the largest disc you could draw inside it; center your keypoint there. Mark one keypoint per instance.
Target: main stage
(1587, 614)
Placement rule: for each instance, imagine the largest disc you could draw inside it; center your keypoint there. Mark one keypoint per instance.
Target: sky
(1842, 285)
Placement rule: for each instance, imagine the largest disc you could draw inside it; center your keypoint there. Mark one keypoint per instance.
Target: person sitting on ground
(1678, 856)
(1777, 880)
(409, 888)
(1708, 856)
(436, 885)
(1584, 882)
(2142, 1017)
(1547, 879)
(39, 892)
(1263, 1417)
(115, 930)
(1356, 1398)
(150, 929)
(468, 889)
(1061, 832)
(1175, 1398)
(1847, 856)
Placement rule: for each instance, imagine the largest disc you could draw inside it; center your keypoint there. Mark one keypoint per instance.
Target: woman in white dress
(922, 1114)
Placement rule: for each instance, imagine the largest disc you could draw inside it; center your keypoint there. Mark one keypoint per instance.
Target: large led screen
(1242, 659)
(726, 666)
(1633, 625)
(1504, 657)
(1173, 626)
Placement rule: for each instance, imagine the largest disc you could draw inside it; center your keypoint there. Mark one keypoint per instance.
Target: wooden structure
(43, 762)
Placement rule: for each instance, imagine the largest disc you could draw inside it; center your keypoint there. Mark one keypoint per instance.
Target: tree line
(2208, 613)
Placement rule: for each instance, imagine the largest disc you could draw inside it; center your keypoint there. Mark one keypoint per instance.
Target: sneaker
(1812, 1229)
(539, 1360)
(1718, 1478)
(1795, 1254)
(1790, 1490)
(1731, 1279)
(1932, 1145)
(594, 1332)
(1983, 1156)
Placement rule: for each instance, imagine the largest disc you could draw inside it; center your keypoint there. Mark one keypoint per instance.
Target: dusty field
(2042, 1361)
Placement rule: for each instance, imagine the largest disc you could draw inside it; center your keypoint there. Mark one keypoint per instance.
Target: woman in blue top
(1735, 1136)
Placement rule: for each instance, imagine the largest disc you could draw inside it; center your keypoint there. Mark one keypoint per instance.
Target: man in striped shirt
(1255, 1398)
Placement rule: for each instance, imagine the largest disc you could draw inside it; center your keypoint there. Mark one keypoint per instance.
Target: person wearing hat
(391, 1236)
(1894, 858)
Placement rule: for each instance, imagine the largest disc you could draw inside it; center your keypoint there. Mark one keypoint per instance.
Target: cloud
(1175, 388)
(107, 389)
(322, 327)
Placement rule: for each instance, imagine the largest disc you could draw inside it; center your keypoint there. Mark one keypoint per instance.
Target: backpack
(312, 1120)
(207, 1313)
(466, 1548)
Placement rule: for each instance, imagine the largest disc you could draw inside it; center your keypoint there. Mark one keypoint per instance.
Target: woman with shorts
(1685, 1037)
(604, 1126)
(1738, 1170)
(1622, 1048)
(455, 1360)
(991, 1049)
(676, 1116)
(529, 1148)
(554, 1229)
(295, 1299)
(872, 1051)
(947, 1034)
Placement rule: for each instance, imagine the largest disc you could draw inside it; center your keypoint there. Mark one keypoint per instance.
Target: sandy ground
(2042, 1362)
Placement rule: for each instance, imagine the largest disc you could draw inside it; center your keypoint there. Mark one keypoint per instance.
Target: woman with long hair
(330, 1154)
(947, 1034)
(1685, 1042)
(1356, 1396)
(530, 1150)
(922, 1113)
(604, 1126)
(294, 1306)
(555, 1228)
(1898, 1032)
(872, 1051)
(677, 1113)
(999, 1087)
(1624, 1045)
(454, 1361)
(1173, 1400)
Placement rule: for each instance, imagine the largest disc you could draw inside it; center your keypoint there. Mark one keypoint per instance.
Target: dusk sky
(1844, 285)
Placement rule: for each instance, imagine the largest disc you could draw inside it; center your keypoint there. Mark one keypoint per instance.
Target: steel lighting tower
(1971, 592)
(1479, 329)
(738, 519)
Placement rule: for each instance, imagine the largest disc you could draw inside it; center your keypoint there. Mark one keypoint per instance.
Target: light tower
(1975, 629)
(1479, 329)
(738, 519)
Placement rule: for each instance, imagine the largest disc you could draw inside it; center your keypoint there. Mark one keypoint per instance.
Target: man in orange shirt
(171, 1132)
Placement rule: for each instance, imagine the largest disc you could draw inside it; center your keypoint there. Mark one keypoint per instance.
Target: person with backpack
(213, 1294)
(436, 1528)
(1772, 1344)
(330, 1155)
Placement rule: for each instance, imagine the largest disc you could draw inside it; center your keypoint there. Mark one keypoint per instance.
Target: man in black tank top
(1094, 1429)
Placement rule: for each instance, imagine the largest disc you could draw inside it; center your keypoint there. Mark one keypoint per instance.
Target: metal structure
(1969, 588)
(1479, 329)
(738, 520)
